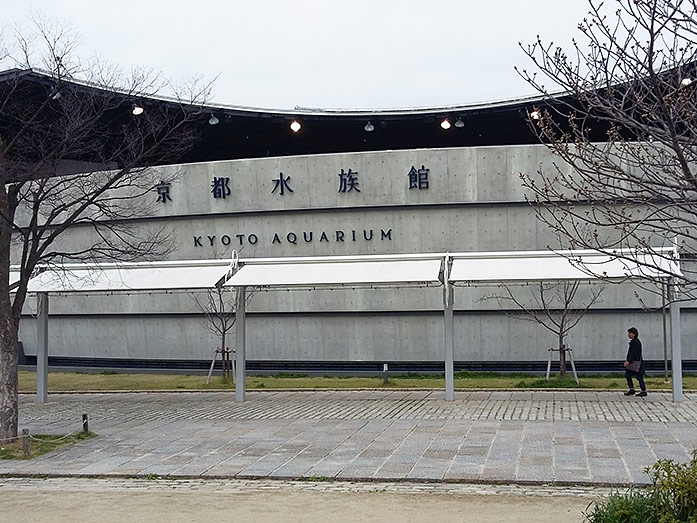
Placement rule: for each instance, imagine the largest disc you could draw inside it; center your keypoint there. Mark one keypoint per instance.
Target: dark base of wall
(339, 367)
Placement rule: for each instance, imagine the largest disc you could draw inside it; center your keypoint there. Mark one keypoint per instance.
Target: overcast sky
(322, 53)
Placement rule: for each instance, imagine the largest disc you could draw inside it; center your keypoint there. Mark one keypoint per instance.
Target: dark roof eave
(247, 111)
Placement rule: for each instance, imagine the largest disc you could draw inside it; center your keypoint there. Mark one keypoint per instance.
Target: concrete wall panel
(474, 202)
(354, 337)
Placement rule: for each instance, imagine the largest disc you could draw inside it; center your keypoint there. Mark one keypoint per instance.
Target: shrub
(634, 506)
(671, 499)
(675, 489)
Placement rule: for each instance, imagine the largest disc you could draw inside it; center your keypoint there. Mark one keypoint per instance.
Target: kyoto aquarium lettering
(293, 238)
(162, 190)
(221, 187)
(348, 182)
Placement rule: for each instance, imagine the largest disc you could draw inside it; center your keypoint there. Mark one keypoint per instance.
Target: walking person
(634, 363)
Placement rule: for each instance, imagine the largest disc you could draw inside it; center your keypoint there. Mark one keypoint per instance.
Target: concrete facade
(393, 202)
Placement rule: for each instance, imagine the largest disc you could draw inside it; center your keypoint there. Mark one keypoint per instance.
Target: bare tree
(552, 305)
(624, 126)
(219, 306)
(75, 155)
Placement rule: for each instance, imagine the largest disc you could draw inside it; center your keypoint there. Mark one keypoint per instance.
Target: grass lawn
(109, 380)
(40, 444)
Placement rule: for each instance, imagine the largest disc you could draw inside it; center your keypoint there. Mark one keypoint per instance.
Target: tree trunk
(562, 358)
(9, 322)
(9, 408)
(224, 356)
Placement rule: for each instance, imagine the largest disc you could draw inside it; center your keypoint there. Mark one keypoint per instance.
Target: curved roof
(234, 132)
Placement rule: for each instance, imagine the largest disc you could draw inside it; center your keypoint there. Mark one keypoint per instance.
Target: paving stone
(499, 436)
(371, 452)
(326, 468)
(359, 473)
(603, 453)
(466, 459)
(426, 472)
(230, 468)
(464, 473)
(439, 454)
(391, 467)
(533, 473)
(468, 450)
(498, 474)
(571, 475)
(532, 460)
(105, 466)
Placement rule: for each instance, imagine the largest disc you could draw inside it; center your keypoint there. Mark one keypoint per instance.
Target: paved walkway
(518, 437)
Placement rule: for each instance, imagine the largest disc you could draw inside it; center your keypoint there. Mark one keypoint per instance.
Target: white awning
(354, 271)
(338, 272)
(180, 275)
(567, 265)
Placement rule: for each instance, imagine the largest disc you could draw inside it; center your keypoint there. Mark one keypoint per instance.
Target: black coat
(634, 353)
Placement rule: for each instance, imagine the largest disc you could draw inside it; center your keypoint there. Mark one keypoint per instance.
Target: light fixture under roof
(459, 123)
(686, 81)
(535, 115)
(213, 120)
(445, 124)
(369, 127)
(295, 126)
(137, 109)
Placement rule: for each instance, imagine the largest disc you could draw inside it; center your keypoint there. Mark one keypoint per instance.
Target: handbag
(634, 366)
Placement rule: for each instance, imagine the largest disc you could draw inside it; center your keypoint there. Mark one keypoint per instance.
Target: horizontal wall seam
(267, 314)
(316, 210)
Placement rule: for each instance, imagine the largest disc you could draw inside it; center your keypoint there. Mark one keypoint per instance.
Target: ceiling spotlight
(295, 126)
(369, 127)
(213, 120)
(686, 81)
(459, 123)
(535, 115)
(137, 109)
(445, 124)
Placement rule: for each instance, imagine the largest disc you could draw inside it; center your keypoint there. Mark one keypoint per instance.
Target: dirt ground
(280, 506)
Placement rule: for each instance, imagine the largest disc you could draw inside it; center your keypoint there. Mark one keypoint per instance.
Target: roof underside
(256, 133)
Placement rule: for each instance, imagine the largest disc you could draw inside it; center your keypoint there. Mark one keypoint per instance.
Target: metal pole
(449, 334)
(240, 342)
(42, 347)
(665, 333)
(675, 342)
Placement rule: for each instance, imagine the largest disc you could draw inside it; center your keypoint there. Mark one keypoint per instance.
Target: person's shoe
(642, 393)
(630, 392)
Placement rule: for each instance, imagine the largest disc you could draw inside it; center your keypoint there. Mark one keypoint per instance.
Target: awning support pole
(675, 342)
(448, 334)
(42, 347)
(240, 349)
